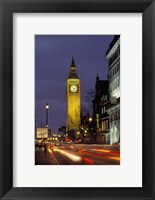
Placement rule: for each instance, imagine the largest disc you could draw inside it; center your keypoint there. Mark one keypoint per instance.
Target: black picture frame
(7, 8)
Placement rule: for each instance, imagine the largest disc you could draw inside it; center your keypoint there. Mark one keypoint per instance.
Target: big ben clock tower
(73, 99)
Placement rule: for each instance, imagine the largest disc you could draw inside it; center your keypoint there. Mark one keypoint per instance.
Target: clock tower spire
(73, 73)
(73, 59)
(73, 99)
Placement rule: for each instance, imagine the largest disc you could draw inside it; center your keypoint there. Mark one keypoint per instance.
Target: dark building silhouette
(100, 116)
(62, 130)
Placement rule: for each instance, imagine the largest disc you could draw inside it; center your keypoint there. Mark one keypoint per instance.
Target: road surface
(76, 154)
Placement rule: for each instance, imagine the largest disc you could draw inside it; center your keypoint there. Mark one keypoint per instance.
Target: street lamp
(46, 107)
(78, 132)
(90, 119)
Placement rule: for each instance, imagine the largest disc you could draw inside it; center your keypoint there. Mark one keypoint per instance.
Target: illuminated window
(97, 125)
(104, 109)
(97, 118)
(107, 125)
(102, 126)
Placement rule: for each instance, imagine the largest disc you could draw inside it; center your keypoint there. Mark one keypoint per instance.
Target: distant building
(100, 116)
(42, 133)
(49, 133)
(62, 130)
(113, 108)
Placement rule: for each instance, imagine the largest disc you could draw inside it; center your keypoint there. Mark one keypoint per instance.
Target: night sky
(53, 55)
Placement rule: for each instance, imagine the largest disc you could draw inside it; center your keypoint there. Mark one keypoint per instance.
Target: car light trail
(88, 161)
(53, 156)
(114, 158)
(69, 155)
(101, 150)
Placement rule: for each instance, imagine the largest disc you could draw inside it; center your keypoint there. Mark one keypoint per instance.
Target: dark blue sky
(53, 54)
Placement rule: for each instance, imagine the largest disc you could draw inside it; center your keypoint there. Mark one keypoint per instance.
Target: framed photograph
(77, 99)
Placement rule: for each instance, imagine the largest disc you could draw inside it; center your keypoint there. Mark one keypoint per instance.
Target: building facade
(105, 118)
(73, 100)
(113, 108)
(100, 116)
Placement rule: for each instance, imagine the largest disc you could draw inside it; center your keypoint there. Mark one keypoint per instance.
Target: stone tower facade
(73, 99)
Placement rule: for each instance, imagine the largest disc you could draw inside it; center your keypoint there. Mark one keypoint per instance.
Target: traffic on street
(76, 154)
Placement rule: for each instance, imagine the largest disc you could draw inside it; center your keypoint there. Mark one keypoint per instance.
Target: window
(118, 114)
(97, 125)
(118, 49)
(107, 125)
(97, 118)
(102, 126)
(115, 114)
(117, 83)
(118, 67)
(104, 109)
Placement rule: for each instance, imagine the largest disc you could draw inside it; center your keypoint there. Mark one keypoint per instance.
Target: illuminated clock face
(73, 88)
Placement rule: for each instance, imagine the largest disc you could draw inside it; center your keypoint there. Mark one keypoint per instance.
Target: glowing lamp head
(90, 119)
(47, 106)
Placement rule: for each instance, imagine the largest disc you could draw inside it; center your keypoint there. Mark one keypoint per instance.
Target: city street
(77, 154)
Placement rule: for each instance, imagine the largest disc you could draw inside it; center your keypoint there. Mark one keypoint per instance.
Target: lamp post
(46, 107)
(90, 120)
(90, 127)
